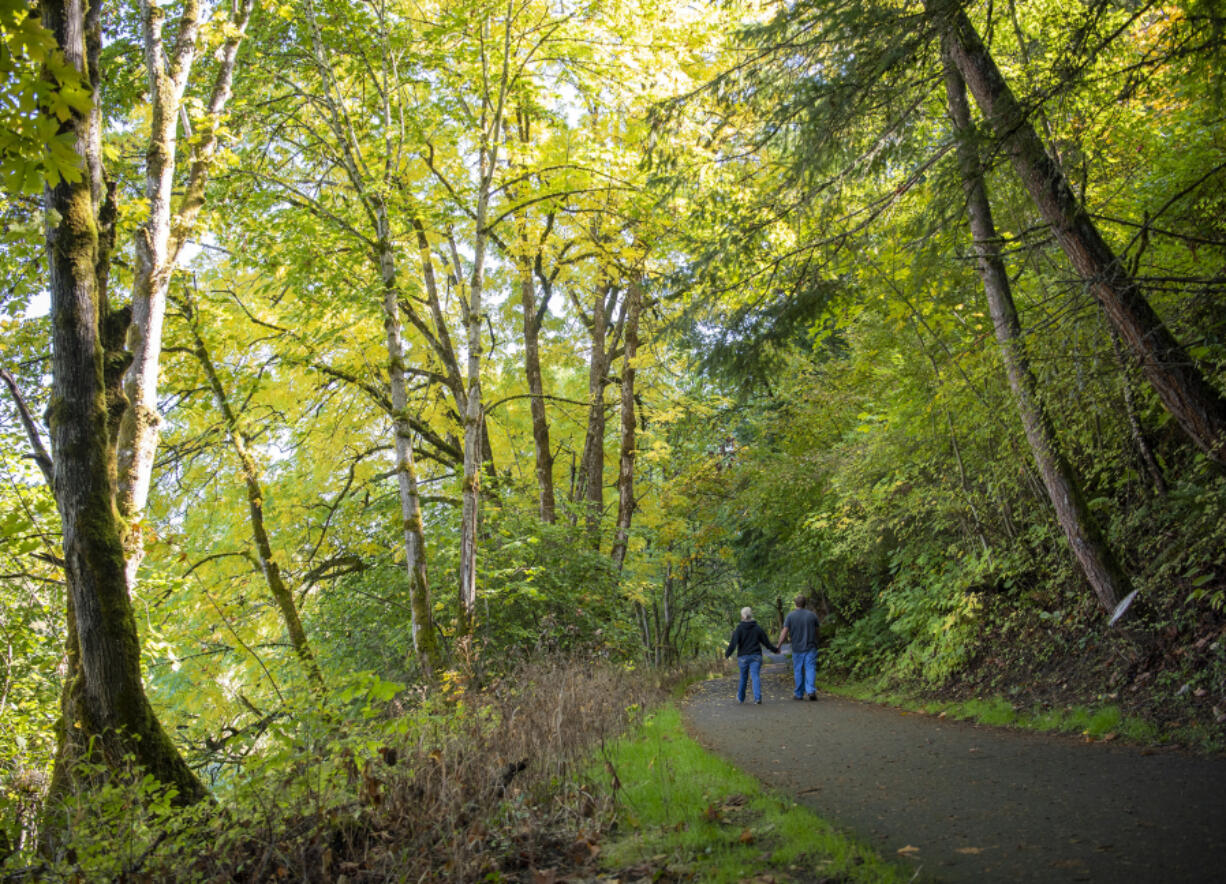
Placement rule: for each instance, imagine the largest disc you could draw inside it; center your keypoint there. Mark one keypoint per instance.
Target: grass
(684, 813)
(1097, 723)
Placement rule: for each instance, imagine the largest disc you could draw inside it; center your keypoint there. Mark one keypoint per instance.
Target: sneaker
(757, 702)
(797, 698)
(811, 697)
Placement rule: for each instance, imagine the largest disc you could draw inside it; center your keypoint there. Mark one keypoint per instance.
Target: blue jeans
(804, 671)
(751, 667)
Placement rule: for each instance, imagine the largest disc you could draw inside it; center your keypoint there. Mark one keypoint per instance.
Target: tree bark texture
(473, 424)
(590, 487)
(160, 239)
(105, 713)
(625, 471)
(1183, 389)
(281, 594)
(425, 640)
(547, 505)
(604, 336)
(1098, 563)
(476, 440)
(439, 338)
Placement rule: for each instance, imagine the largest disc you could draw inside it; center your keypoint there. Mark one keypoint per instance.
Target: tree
(368, 183)
(105, 713)
(1097, 561)
(625, 472)
(159, 242)
(1183, 388)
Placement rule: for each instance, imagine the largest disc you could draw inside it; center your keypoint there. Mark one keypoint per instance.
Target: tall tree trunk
(1185, 392)
(536, 391)
(1097, 561)
(439, 338)
(625, 472)
(528, 262)
(476, 440)
(425, 641)
(471, 485)
(138, 433)
(589, 490)
(105, 713)
(255, 504)
(160, 239)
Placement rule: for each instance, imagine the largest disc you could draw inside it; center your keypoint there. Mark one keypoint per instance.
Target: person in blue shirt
(802, 624)
(747, 640)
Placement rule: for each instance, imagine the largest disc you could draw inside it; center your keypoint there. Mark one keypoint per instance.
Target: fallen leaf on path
(581, 851)
(1107, 738)
(968, 850)
(909, 850)
(1068, 864)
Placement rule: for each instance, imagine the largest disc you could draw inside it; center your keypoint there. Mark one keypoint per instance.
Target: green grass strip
(685, 813)
(1106, 722)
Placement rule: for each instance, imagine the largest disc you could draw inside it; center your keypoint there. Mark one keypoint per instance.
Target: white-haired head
(746, 613)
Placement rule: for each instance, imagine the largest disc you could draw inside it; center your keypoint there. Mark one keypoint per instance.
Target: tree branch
(40, 455)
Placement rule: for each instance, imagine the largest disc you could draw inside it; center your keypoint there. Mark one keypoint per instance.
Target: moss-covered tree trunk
(1089, 546)
(1184, 390)
(105, 713)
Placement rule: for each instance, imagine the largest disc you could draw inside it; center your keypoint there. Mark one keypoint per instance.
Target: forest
(398, 393)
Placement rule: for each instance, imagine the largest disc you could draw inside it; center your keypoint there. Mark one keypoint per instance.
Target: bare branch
(40, 455)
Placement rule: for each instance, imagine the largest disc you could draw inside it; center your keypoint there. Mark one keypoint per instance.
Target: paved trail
(978, 803)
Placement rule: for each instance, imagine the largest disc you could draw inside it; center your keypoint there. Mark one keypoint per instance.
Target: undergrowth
(463, 786)
(1160, 678)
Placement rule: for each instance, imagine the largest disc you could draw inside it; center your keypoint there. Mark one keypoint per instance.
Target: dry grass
(478, 784)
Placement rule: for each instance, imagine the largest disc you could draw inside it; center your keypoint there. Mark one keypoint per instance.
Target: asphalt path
(964, 802)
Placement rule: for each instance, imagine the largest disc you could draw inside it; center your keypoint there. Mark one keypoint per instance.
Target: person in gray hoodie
(747, 640)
